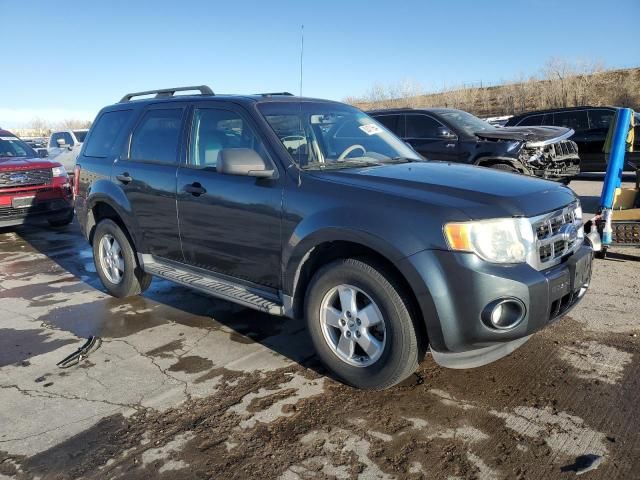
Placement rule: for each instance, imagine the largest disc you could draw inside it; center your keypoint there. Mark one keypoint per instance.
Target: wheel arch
(333, 244)
(110, 202)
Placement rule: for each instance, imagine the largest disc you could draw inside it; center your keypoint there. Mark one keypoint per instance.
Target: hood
(479, 192)
(534, 136)
(25, 163)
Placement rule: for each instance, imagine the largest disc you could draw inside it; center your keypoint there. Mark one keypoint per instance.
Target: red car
(31, 188)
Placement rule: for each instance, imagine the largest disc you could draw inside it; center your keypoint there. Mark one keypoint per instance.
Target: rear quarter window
(102, 137)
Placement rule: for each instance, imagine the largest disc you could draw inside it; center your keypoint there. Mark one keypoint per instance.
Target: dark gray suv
(311, 209)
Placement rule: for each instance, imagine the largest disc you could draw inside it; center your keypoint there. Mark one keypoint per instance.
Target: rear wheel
(360, 324)
(115, 261)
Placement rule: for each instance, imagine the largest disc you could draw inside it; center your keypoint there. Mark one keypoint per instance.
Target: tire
(504, 167)
(62, 221)
(602, 254)
(131, 280)
(400, 348)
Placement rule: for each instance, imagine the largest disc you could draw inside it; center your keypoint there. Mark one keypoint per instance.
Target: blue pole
(613, 177)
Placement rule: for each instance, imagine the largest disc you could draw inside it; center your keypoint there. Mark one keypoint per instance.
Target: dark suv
(455, 136)
(590, 124)
(311, 209)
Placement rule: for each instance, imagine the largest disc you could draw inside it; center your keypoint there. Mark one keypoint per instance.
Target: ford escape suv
(32, 188)
(312, 209)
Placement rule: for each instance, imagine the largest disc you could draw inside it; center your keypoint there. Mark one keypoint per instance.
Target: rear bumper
(457, 287)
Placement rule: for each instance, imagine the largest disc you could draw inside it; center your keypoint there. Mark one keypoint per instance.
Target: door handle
(195, 189)
(124, 177)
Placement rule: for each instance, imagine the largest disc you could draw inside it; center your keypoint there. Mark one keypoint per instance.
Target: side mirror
(243, 161)
(61, 143)
(42, 153)
(446, 134)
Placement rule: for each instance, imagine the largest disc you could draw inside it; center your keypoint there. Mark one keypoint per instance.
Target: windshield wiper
(351, 163)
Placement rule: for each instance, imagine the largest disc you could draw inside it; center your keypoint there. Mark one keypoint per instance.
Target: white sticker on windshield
(370, 128)
(11, 139)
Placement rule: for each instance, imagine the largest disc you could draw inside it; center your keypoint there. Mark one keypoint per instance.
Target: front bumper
(458, 286)
(55, 209)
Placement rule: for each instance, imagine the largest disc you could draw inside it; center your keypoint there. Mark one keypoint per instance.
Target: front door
(229, 224)
(147, 176)
(428, 137)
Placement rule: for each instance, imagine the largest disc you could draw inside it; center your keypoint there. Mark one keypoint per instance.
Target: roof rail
(275, 94)
(167, 92)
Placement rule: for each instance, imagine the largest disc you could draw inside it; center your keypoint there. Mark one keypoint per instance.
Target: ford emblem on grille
(18, 178)
(568, 232)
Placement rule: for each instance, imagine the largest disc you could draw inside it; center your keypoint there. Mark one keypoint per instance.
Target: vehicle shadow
(112, 317)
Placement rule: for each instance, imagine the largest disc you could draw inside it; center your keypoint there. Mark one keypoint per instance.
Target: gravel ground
(185, 386)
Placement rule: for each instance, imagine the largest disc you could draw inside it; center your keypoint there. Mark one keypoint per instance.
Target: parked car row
(457, 136)
(313, 209)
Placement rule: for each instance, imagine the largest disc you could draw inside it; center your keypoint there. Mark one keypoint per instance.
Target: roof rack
(275, 94)
(167, 92)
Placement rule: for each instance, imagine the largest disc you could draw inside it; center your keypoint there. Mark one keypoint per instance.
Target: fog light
(503, 314)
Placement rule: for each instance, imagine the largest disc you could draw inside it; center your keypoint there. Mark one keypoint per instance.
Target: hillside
(559, 88)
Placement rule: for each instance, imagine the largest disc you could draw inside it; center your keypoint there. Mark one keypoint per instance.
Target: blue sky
(67, 59)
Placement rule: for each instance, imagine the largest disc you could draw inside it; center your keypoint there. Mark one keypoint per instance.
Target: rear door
(229, 224)
(600, 120)
(424, 133)
(578, 120)
(146, 173)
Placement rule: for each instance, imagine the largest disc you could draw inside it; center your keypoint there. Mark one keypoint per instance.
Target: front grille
(24, 178)
(557, 234)
(564, 148)
(564, 303)
(6, 212)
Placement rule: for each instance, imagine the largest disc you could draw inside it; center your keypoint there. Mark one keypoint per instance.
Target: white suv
(64, 146)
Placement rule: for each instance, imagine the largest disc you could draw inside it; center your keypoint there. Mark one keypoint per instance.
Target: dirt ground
(186, 386)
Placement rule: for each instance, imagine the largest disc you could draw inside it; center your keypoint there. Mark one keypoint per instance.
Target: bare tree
(39, 127)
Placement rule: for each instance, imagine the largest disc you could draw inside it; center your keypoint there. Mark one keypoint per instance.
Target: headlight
(59, 171)
(503, 240)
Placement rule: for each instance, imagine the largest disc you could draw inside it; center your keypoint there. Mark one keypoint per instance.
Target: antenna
(301, 54)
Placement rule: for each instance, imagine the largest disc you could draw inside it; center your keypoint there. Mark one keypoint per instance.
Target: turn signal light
(458, 236)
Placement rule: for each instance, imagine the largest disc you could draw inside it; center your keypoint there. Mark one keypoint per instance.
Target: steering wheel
(350, 149)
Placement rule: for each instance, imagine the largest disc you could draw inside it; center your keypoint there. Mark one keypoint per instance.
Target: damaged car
(456, 136)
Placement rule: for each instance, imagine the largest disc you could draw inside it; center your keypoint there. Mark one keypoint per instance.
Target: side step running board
(215, 287)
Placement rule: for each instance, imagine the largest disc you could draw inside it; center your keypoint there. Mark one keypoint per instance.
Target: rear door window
(422, 126)
(531, 121)
(395, 123)
(575, 119)
(105, 132)
(157, 136)
(600, 118)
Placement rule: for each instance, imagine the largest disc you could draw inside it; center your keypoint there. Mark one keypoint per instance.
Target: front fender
(305, 239)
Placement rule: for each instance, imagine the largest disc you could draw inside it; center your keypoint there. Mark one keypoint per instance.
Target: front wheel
(360, 324)
(116, 263)
(61, 222)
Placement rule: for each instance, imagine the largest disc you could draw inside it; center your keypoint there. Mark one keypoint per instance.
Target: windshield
(80, 134)
(14, 147)
(470, 124)
(327, 135)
